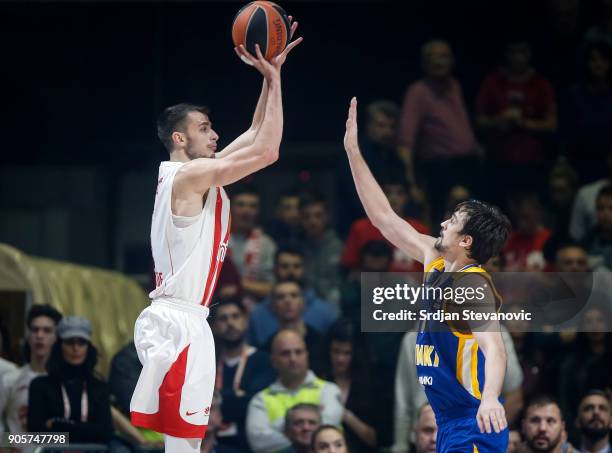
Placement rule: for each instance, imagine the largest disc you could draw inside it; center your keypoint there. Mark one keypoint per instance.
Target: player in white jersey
(189, 235)
(42, 322)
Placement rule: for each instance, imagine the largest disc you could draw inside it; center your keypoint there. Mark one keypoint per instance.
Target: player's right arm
(399, 232)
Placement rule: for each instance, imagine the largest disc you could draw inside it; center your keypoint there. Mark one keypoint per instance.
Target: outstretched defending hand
(351, 143)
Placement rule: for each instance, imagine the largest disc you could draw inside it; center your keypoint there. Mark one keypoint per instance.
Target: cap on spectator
(74, 327)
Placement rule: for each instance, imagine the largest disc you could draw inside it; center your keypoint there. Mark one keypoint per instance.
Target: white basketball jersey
(188, 251)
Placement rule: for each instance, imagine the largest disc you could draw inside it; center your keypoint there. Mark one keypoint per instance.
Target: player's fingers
(258, 52)
(245, 53)
(503, 423)
(294, 27)
(494, 422)
(487, 423)
(479, 422)
(293, 44)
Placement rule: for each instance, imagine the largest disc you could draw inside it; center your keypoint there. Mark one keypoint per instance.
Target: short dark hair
(38, 310)
(298, 407)
(597, 46)
(487, 225)
(595, 392)
(539, 401)
(387, 108)
(289, 249)
(376, 248)
(243, 188)
(605, 191)
(310, 198)
(235, 302)
(171, 120)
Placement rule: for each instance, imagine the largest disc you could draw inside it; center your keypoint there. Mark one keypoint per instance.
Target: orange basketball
(264, 23)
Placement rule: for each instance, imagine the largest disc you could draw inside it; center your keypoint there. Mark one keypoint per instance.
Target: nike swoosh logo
(191, 413)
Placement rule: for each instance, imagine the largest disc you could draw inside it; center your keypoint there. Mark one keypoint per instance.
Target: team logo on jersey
(426, 355)
(425, 380)
(222, 252)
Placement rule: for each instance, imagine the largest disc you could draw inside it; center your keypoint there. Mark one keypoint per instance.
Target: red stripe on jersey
(215, 251)
(219, 264)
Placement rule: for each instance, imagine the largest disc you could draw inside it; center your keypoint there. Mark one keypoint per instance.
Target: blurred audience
(285, 227)
(598, 242)
(71, 398)
(318, 313)
(321, 248)
(300, 422)
(425, 430)
(594, 422)
(516, 110)
(543, 427)
(348, 370)
(329, 439)
(296, 383)
(435, 134)
(242, 371)
(252, 250)
(41, 321)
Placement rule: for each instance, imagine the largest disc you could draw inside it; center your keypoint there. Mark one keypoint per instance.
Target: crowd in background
(292, 360)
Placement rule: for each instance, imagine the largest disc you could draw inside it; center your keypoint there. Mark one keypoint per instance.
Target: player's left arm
(248, 137)
(491, 415)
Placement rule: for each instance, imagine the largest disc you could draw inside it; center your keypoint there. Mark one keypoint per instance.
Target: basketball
(264, 23)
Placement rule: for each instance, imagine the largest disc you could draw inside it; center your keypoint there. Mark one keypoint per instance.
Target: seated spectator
(252, 250)
(321, 247)
(375, 256)
(543, 427)
(346, 365)
(328, 439)
(296, 383)
(523, 250)
(514, 441)
(586, 114)
(409, 394)
(379, 149)
(516, 108)
(562, 187)
(41, 322)
(589, 364)
(318, 313)
(288, 307)
(363, 231)
(5, 365)
(594, 422)
(285, 227)
(300, 422)
(584, 216)
(242, 371)
(435, 134)
(599, 242)
(71, 398)
(425, 430)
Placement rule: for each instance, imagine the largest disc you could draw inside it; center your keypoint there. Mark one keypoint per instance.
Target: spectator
(375, 256)
(599, 242)
(456, 194)
(242, 371)
(346, 366)
(318, 313)
(562, 187)
(425, 430)
(300, 422)
(379, 149)
(586, 114)
(516, 110)
(71, 398)
(42, 323)
(288, 307)
(594, 422)
(285, 227)
(321, 247)
(435, 134)
(584, 217)
(514, 441)
(295, 384)
(5, 365)
(229, 285)
(409, 394)
(252, 250)
(362, 231)
(589, 364)
(602, 31)
(524, 246)
(329, 439)
(543, 427)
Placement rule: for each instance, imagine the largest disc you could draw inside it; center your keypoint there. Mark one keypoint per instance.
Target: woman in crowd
(347, 369)
(71, 398)
(328, 439)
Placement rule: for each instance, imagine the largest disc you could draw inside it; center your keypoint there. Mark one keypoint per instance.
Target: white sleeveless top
(188, 251)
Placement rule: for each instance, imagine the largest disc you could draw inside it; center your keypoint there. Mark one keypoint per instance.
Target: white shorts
(176, 384)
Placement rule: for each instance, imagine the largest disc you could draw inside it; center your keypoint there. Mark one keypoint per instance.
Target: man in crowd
(318, 313)
(300, 422)
(242, 371)
(594, 422)
(296, 383)
(425, 430)
(543, 427)
(42, 321)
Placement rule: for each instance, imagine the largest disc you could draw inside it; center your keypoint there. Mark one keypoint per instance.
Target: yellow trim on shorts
(459, 370)
(474, 371)
(475, 448)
